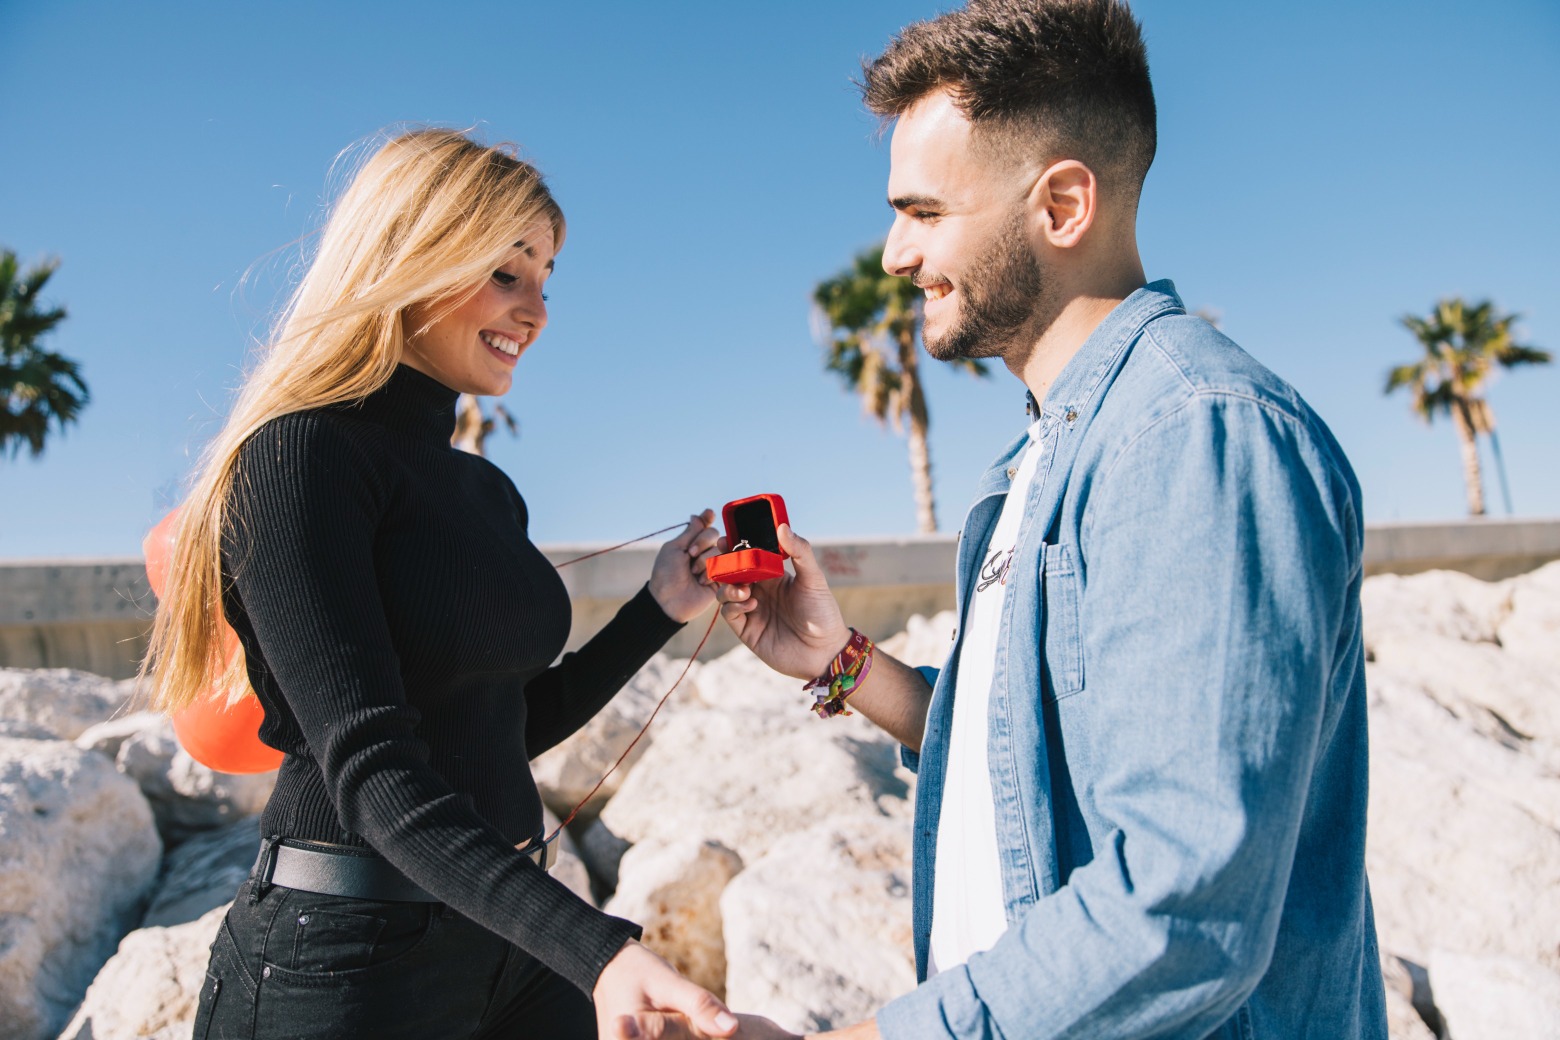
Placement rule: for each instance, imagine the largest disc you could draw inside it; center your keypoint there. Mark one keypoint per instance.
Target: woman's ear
(1065, 200)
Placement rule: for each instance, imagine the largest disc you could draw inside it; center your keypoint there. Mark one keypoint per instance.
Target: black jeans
(288, 964)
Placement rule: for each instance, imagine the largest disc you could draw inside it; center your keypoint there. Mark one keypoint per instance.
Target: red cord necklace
(659, 704)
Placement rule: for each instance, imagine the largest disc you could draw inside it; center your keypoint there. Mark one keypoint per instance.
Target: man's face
(960, 235)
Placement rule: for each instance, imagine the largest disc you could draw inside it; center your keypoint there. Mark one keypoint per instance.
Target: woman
(397, 625)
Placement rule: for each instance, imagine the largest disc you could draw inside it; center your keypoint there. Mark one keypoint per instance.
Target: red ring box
(755, 520)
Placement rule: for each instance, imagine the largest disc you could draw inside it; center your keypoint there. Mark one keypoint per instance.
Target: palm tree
(36, 385)
(874, 326)
(1463, 344)
(472, 425)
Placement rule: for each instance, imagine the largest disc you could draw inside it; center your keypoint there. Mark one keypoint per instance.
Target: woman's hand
(658, 1025)
(792, 623)
(677, 579)
(638, 985)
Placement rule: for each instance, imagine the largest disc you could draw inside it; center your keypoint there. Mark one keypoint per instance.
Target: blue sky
(1323, 169)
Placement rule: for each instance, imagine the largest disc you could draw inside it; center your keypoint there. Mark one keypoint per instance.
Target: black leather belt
(341, 870)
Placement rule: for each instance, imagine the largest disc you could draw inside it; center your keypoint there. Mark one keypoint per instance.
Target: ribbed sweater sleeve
(568, 695)
(307, 505)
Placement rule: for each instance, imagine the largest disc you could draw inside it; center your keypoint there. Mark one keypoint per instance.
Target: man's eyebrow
(904, 202)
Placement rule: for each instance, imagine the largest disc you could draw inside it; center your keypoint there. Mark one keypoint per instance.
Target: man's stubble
(1002, 298)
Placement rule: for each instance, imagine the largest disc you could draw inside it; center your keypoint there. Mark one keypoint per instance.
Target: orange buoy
(217, 736)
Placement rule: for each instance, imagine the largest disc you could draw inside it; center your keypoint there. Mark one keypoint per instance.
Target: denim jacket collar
(1081, 381)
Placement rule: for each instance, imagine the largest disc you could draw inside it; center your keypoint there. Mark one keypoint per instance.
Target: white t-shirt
(967, 905)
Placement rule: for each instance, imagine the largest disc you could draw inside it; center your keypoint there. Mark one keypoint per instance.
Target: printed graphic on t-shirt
(995, 570)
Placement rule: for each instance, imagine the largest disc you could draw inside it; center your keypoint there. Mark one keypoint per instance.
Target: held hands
(792, 623)
(677, 578)
(656, 1025)
(638, 986)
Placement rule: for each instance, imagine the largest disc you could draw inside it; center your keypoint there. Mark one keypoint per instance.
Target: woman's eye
(503, 278)
(544, 297)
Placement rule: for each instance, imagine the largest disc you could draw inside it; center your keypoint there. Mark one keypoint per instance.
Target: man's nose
(899, 255)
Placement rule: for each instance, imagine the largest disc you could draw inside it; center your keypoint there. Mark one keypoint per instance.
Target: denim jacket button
(1012, 472)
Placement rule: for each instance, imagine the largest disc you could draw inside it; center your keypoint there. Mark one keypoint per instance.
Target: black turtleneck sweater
(398, 626)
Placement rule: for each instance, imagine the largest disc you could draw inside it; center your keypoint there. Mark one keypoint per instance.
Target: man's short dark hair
(1042, 80)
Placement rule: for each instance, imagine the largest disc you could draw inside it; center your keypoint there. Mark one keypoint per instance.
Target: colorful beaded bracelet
(846, 673)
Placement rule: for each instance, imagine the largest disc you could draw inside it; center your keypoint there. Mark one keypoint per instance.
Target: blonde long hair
(425, 221)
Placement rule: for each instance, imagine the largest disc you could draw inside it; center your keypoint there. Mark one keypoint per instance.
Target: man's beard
(1001, 295)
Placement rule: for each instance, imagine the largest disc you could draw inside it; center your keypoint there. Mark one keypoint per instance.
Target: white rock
(1442, 604)
(149, 989)
(818, 933)
(1462, 850)
(602, 851)
(924, 641)
(567, 773)
(61, 700)
(186, 796)
(106, 738)
(1532, 629)
(1411, 1010)
(739, 682)
(1495, 998)
(1509, 699)
(80, 853)
(673, 891)
(203, 873)
(747, 780)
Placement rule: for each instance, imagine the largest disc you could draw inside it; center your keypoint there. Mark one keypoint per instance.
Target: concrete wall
(94, 614)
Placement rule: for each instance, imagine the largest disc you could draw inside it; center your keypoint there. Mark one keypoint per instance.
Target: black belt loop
(265, 866)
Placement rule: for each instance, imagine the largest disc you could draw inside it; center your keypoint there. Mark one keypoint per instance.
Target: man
(1142, 772)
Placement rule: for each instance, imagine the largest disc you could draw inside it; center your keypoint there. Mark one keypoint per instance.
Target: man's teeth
(937, 292)
(504, 343)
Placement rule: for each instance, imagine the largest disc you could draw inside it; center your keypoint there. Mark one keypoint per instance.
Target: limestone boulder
(1512, 700)
(567, 773)
(1463, 849)
(1411, 1010)
(78, 854)
(818, 933)
(62, 701)
(602, 851)
(739, 682)
(1531, 630)
(106, 738)
(1496, 998)
(925, 641)
(1435, 604)
(748, 779)
(674, 891)
(203, 873)
(150, 988)
(187, 797)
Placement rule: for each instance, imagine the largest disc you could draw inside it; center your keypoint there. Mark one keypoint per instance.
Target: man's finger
(656, 1025)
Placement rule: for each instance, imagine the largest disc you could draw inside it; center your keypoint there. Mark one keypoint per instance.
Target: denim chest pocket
(1061, 629)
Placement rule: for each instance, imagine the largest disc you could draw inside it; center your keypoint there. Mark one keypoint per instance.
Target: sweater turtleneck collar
(414, 404)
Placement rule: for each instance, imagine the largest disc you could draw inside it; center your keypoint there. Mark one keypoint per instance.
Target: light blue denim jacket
(1177, 736)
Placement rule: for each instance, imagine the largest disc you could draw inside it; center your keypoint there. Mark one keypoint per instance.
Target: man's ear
(1065, 200)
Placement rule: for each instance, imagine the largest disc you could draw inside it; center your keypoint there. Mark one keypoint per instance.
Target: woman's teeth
(504, 343)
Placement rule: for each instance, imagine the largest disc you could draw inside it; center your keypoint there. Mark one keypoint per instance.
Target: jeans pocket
(1061, 624)
(339, 967)
(336, 935)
